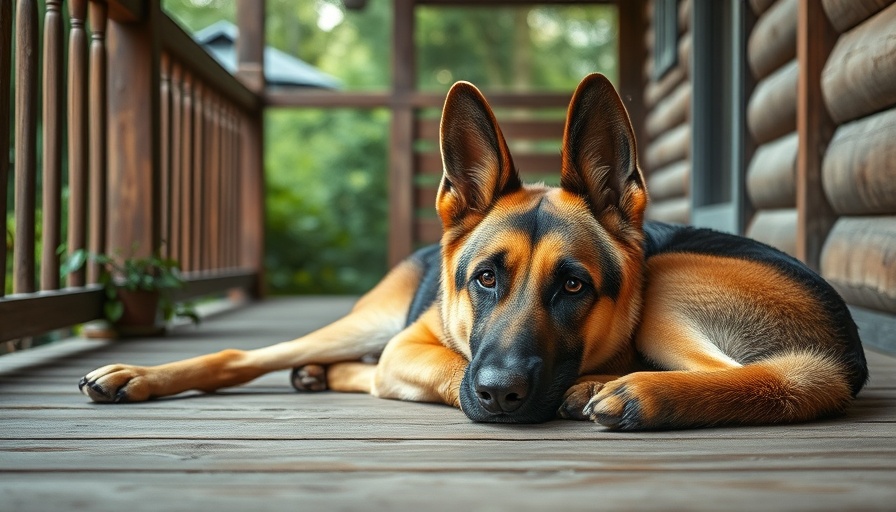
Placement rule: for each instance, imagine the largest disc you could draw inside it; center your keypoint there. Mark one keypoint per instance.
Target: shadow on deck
(264, 447)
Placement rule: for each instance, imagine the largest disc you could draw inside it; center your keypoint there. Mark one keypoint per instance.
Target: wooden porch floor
(264, 447)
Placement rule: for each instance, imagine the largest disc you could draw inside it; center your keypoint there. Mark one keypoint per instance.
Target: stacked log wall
(771, 120)
(667, 127)
(859, 166)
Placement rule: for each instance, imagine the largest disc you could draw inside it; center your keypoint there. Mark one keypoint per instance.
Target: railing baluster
(165, 156)
(52, 145)
(177, 144)
(198, 174)
(77, 134)
(186, 190)
(228, 189)
(5, 73)
(25, 145)
(98, 139)
(214, 197)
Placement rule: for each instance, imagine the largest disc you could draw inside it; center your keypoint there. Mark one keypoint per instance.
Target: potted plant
(138, 291)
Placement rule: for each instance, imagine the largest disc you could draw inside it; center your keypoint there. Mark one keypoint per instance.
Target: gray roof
(219, 40)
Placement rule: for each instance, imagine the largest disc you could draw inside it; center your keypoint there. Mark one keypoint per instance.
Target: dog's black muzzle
(509, 390)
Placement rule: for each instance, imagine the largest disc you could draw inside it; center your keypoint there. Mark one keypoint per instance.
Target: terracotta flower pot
(141, 313)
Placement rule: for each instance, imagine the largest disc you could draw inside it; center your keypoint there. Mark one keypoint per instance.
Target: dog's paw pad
(616, 407)
(311, 377)
(115, 384)
(576, 398)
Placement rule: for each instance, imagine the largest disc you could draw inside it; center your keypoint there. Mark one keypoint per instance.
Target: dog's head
(540, 284)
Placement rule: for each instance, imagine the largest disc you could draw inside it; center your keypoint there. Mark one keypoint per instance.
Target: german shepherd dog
(542, 302)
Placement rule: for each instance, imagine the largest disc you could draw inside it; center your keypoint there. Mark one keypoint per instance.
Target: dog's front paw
(116, 383)
(576, 398)
(311, 377)
(628, 403)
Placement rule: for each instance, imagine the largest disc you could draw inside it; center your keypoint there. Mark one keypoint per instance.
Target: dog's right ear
(478, 168)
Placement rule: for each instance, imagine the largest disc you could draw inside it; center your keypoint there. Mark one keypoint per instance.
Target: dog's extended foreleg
(376, 318)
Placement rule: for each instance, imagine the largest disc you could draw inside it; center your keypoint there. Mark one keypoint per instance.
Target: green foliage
(327, 207)
(326, 170)
(117, 272)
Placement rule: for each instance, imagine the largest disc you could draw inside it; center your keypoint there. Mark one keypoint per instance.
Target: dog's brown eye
(487, 279)
(572, 286)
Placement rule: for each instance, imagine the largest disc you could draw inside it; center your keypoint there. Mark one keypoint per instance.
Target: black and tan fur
(542, 301)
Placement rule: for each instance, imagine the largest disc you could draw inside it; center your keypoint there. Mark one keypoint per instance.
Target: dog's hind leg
(739, 351)
(376, 318)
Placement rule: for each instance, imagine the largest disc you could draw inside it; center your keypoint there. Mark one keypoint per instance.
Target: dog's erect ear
(600, 161)
(477, 165)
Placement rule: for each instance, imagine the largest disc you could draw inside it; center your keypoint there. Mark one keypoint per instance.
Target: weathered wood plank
(657, 453)
(436, 491)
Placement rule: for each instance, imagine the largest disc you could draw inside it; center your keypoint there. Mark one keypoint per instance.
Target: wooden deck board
(265, 447)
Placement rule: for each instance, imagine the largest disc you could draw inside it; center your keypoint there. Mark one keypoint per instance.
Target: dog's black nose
(500, 390)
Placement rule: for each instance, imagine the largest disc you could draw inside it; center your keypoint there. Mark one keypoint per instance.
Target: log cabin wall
(667, 131)
(821, 115)
(772, 122)
(858, 172)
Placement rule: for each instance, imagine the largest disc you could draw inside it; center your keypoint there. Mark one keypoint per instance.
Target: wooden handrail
(185, 50)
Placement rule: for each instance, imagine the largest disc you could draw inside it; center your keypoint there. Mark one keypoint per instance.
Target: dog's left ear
(600, 160)
(478, 168)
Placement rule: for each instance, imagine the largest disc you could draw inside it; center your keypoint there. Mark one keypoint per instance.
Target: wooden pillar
(250, 70)
(133, 135)
(5, 65)
(401, 140)
(632, 55)
(815, 217)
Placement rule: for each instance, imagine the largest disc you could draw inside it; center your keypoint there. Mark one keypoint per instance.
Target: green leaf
(114, 310)
(74, 262)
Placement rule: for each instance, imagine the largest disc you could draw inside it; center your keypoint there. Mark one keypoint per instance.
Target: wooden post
(133, 135)
(815, 217)
(5, 64)
(250, 69)
(401, 140)
(632, 55)
(26, 144)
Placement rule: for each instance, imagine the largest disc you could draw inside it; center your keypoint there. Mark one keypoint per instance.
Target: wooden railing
(163, 154)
